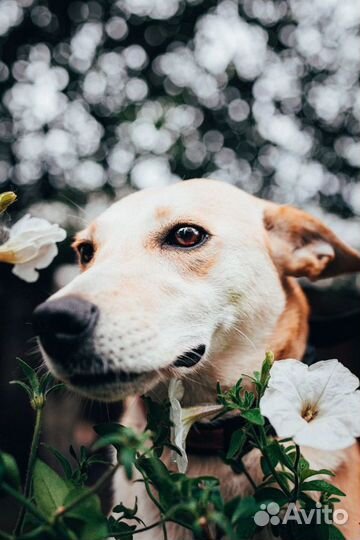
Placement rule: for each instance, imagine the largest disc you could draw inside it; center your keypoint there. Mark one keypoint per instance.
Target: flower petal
(26, 272)
(31, 246)
(282, 411)
(325, 434)
(335, 379)
(183, 419)
(17, 254)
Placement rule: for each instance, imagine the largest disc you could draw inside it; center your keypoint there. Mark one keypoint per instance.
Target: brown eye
(186, 236)
(86, 252)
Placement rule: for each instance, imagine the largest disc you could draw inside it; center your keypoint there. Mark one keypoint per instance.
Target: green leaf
(310, 472)
(128, 513)
(271, 494)
(335, 533)
(92, 524)
(322, 486)
(254, 416)
(39, 533)
(9, 471)
(62, 460)
(50, 490)
(121, 528)
(237, 441)
(24, 386)
(30, 375)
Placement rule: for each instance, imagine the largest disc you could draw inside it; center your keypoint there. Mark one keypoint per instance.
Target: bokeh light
(105, 97)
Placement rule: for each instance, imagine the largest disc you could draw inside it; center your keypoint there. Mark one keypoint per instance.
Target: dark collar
(213, 438)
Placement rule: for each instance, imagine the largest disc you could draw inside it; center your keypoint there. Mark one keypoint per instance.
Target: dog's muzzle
(66, 328)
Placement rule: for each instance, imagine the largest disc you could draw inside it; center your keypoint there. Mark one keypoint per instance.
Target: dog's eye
(86, 252)
(186, 236)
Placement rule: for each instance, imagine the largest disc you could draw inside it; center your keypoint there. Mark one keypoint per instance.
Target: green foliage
(37, 388)
(63, 507)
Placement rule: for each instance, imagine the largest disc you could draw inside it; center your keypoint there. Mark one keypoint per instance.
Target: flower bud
(6, 199)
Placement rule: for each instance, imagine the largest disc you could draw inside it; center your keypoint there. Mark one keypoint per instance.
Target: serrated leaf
(50, 490)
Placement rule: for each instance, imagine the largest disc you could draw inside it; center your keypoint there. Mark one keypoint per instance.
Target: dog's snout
(63, 324)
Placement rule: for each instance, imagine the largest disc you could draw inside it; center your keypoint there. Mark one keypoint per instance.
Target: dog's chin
(113, 384)
(112, 390)
(110, 385)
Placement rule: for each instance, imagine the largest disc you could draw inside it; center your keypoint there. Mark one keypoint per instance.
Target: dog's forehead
(195, 201)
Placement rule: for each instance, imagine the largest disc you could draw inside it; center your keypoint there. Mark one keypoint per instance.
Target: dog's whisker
(74, 204)
(246, 337)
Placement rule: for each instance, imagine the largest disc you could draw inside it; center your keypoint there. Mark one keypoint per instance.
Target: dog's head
(172, 279)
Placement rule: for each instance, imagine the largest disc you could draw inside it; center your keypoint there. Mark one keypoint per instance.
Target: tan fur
(236, 294)
(291, 332)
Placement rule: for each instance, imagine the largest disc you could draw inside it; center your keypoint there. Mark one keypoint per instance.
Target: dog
(197, 270)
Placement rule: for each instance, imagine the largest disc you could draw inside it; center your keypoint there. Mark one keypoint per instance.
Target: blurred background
(105, 97)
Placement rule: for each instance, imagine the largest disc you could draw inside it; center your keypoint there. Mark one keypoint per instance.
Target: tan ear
(302, 245)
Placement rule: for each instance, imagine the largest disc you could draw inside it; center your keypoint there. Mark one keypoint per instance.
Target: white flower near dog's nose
(318, 406)
(31, 246)
(183, 419)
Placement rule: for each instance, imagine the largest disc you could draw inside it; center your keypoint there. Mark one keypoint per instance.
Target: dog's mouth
(115, 378)
(102, 379)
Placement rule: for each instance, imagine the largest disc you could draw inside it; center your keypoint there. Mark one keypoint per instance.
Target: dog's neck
(287, 339)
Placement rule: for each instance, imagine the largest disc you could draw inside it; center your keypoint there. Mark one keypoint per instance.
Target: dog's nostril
(190, 358)
(60, 324)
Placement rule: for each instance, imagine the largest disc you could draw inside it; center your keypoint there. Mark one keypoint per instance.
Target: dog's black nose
(63, 324)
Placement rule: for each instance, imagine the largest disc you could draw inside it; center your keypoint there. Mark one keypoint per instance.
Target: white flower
(318, 406)
(31, 246)
(183, 419)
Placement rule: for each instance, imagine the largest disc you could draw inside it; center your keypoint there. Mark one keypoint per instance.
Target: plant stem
(150, 494)
(143, 529)
(206, 529)
(25, 503)
(248, 475)
(296, 473)
(91, 491)
(30, 467)
(262, 447)
(164, 530)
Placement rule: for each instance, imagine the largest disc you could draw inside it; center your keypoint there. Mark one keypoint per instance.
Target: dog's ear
(302, 245)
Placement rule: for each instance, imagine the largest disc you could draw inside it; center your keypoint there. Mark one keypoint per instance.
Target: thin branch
(24, 502)
(91, 491)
